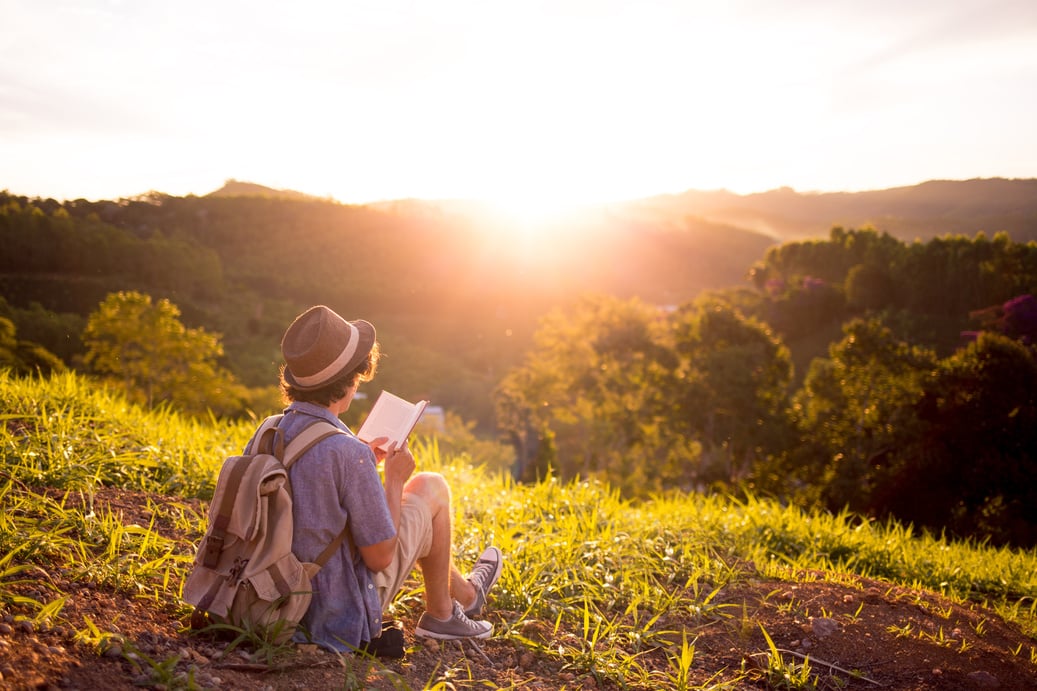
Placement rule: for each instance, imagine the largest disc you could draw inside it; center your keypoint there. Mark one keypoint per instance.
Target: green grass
(601, 574)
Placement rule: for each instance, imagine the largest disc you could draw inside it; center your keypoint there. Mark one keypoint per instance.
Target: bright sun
(533, 211)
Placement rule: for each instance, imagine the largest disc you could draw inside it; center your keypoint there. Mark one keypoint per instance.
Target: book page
(392, 417)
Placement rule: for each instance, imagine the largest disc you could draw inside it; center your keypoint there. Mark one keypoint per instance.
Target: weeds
(622, 579)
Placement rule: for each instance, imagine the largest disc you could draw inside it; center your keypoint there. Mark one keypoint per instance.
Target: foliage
(66, 431)
(142, 346)
(978, 445)
(617, 579)
(463, 300)
(645, 396)
(731, 391)
(24, 357)
(648, 399)
(857, 410)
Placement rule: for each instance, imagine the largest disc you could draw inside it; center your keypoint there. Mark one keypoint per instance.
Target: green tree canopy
(144, 347)
(975, 457)
(24, 357)
(857, 409)
(648, 399)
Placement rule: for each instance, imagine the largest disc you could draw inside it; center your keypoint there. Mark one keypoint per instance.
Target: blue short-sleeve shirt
(334, 483)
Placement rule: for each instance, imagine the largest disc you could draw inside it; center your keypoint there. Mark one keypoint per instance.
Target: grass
(602, 573)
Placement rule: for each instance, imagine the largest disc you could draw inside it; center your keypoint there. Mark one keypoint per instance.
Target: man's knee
(431, 487)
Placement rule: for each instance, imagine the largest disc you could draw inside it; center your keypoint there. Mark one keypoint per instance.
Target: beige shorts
(414, 540)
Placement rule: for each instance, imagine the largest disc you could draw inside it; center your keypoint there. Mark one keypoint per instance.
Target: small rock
(984, 680)
(824, 627)
(5, 629)
(114, 651)
(25, 625)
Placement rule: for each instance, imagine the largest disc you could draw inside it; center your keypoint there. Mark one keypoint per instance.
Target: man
(391, 526)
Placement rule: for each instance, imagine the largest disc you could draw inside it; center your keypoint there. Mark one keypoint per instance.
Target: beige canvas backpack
(244, 572)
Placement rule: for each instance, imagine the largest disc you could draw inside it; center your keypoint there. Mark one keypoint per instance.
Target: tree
(975, 457)
(647, 399)
(144, 346)
(24, 357)
(733, 390)
(857, 408)
(590, 397)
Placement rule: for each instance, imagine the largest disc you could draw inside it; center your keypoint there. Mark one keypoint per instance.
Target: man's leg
(447, 592)
(442, 580)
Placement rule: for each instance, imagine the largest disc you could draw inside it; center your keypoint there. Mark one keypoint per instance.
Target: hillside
(456, 289)
(930, 209)
(103, 513)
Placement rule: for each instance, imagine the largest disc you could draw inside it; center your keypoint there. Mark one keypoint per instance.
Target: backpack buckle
(213, 547)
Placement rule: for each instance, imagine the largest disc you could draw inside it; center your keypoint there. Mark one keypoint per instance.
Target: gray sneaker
(457, 626)
(483, 576)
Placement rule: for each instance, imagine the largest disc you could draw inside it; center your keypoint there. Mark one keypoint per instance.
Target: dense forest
(654, 345)
(456, 297)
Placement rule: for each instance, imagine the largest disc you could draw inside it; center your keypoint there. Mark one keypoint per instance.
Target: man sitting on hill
(391, 526)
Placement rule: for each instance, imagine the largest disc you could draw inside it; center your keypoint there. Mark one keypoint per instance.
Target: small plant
(160, 673)
(678, 676)
(905, 631)
(99, 641)
(786, 675)
(856, 616)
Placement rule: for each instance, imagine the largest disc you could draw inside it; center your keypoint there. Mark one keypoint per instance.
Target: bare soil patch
(857, 633)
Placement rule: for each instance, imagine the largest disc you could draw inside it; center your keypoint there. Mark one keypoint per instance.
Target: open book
(391, 417)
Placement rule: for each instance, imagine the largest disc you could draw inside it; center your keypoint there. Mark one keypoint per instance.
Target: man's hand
(376, 446)
(399, 465)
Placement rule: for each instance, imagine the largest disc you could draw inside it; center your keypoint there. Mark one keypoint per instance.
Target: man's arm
(399, 465)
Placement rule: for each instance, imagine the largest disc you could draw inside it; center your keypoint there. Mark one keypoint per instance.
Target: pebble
(984, 680)
(5, 629)
(824, 627)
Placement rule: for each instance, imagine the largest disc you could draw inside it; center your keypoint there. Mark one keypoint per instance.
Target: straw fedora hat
(320, 346)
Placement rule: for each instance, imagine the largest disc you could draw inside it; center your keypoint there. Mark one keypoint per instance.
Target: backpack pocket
(274, 600)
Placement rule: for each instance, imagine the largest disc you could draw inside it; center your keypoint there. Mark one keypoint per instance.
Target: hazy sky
(564, 100)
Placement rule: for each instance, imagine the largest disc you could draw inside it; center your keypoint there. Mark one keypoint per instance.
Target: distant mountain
(923, 211)
(237, 188)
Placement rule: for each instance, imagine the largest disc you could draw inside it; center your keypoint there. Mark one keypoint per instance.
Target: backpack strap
(314, 432)
(267, 438)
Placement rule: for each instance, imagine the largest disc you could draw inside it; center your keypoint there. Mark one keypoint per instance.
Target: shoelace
(480, 574)
(461, 616)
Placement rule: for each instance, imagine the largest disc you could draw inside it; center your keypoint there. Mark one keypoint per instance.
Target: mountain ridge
(909, 212)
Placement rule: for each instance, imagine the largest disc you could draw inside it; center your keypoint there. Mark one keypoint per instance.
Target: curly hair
(335, 389)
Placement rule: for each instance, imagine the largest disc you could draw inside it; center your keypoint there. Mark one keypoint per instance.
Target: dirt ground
(857, 634)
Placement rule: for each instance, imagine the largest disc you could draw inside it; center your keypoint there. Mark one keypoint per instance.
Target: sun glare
(533, 211)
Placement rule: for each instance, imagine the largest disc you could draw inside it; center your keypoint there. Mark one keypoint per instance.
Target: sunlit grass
(591, 581)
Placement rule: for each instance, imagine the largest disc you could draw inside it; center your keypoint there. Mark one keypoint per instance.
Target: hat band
(337, 365)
